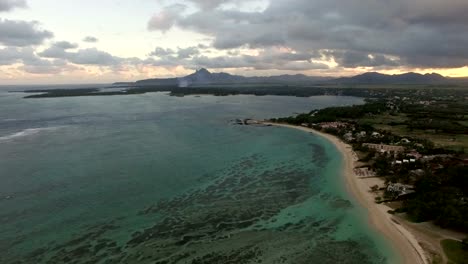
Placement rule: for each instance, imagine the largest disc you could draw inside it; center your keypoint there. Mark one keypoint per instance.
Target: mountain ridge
(205, 77)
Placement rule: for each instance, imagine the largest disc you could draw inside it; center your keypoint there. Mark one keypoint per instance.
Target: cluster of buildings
(333, 125)
(382, 148)
(405, 161)
(364, 172)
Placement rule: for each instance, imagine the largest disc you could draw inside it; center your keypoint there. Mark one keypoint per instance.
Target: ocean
(158, 179)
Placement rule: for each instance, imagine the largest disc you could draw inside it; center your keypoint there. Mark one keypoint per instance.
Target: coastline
(400, 238)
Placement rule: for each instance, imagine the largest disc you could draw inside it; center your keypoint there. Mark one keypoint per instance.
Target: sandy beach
(402, 240)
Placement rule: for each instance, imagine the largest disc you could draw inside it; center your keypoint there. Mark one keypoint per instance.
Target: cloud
(187, 52)
(180, 54)
(8, 5)
(90, 39)
(58, 50)
(213, 4)
(253, 62)
(269, 59)
(11, 55)
(367, 33)
(353, 59)
(161, 52)
(93, 56)
(90, 56)
(41, 66)
(22, 33)
(166, 18)
(209, 4)
(65, 45)
(31, 63)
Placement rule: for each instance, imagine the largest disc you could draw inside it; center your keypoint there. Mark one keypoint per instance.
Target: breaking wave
(27, 132)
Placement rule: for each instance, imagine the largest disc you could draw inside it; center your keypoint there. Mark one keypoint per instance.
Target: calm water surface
(159, 179)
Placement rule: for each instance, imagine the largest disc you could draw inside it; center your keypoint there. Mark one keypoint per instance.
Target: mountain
(200, 77)
(204, 77)
(406, 78)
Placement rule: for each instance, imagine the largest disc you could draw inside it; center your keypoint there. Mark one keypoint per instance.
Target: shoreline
(400, 238)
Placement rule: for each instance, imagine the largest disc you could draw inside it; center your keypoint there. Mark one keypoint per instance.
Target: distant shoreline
(402, 240)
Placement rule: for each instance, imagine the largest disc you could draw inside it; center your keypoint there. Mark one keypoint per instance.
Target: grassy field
(396, 125)
(455, 251)
(450, 141)
(384, 119)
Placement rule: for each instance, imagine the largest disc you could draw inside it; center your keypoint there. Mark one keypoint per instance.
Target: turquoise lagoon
(159, 179)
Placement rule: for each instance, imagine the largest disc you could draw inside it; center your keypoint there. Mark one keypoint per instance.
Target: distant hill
(204, 77)
(406, 78)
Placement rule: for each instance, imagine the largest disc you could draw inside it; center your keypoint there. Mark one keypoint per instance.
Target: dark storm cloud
(22, 33)
(90, 39)
(421, 33)
(8, 5)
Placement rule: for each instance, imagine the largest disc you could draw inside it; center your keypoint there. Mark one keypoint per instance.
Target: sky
(102, 41)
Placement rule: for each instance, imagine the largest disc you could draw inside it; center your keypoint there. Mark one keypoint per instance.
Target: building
(398, 189)
(334, 125)
(385, 148)
(348, 137)
(415, 154)
(405, 141)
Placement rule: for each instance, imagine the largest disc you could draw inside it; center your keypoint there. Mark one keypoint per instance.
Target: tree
(465, 243)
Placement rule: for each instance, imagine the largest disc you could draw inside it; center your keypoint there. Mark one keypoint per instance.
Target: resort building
(385, 148)
(399, 189)
(334, 125)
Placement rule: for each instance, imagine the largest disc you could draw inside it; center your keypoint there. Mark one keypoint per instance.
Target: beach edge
(400, 238)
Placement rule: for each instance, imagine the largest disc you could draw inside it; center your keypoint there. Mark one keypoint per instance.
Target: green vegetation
(443, 122)
(332, 114)
(426, 136)
(441, 196)
(221, 90)
(55, 93)
(456, 252)
(422, 92)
